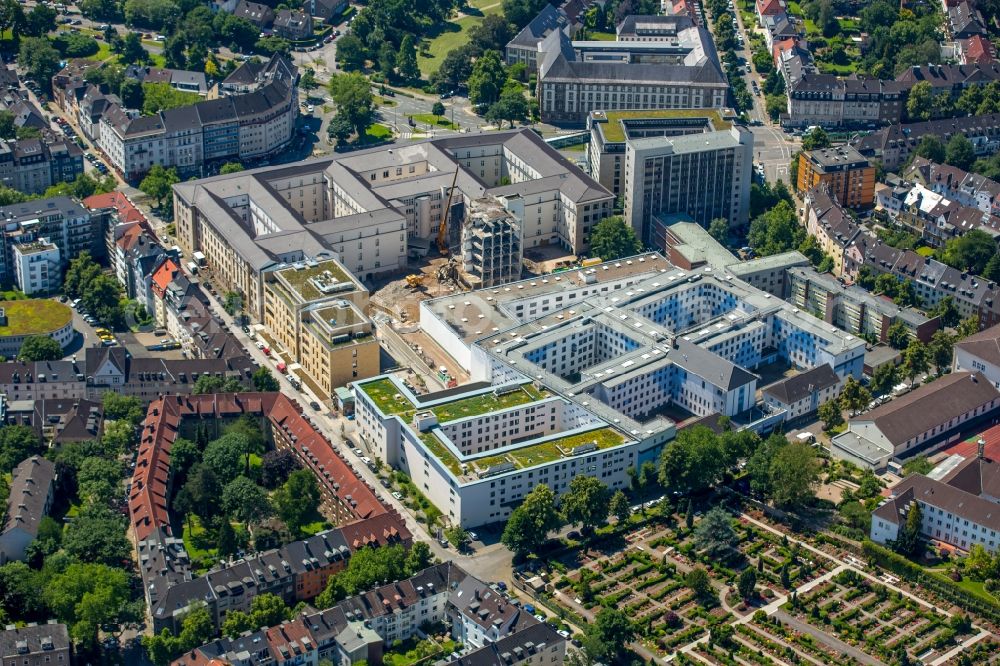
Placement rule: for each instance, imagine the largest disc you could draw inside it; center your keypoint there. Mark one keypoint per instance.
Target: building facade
(845, 173)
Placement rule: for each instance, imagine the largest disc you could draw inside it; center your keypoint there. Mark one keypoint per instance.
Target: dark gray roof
(523, 645)
(931, 405)
(29, 491)
(216, 110)
(942, 495)
(35, 638)
(548, 19)
(984, 345)
(181, 118)
(796, 388)
(32, 209)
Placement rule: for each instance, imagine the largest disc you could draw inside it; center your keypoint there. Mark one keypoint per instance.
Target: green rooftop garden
(387, 397)
(441, 452)
(34, 317)
(614, 132)
(299, 279)
(486, 403)
(553, 449)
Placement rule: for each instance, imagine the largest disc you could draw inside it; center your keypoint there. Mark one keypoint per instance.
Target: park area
(727, 590)
(454, 33)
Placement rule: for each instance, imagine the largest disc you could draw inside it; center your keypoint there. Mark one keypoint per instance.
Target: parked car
(315, 405)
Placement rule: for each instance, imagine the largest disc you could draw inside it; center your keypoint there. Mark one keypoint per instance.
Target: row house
(832, 226)
(895, 144)
(968, 189)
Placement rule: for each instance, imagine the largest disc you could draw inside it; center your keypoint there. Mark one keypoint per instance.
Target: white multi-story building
(980, 353)
(959, 505)
(579, 372)
(37, 268)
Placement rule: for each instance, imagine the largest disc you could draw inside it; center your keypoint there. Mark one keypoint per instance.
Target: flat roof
(34, 317)
(615, 132)
(307, 277)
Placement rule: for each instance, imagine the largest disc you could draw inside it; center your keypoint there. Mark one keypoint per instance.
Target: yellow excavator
(442, 241)
(415, 281)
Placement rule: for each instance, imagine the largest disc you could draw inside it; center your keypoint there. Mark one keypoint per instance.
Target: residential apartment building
(895, 144)
(957, 507)
(680, 72)
(37, 267)
(934, 217)
(34, 165)
(364, 207)
(704, 176)
(293, 25)
(32, 488)
(853, 309)
(297, 571)
(980, 353)
(485, 622)
(62, 221)
(959, 186)
(920, 420)
(36, 645)
(846, 174)
(932, 280)
(315, 312)
(832, 226)
(257, 121)
(831, 101)
(801, 395)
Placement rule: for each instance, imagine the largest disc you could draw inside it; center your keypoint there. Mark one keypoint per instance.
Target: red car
(267, 351)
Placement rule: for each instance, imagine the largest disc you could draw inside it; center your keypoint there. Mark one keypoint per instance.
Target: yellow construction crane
(443, 229)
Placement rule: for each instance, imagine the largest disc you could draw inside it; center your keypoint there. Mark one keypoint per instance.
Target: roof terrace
(312, 280)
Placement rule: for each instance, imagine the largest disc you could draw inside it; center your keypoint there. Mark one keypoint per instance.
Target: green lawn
(34, 316)
(552, 449)
(198, 545)
(925, 251)
(831, 68)
(602, 36)
(386, 397)
(410, 652)
(12, 295)
(482, 404)
(440, 121)
(376, 132)
(454, 34)
(317, 523)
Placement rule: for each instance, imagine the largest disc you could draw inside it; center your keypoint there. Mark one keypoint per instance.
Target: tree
(158, 97)
(960, 153)
(719, 230)
(854, 396)
(979, 563)
(456, 536)
(99, 480)
(967, 327)
(831, 414)
(21, 590)
(587, 502)
(715, 535)
(693, 462)
(226, 540)
(612, 239)
(992, 269)
(884, 379)
(271, 45)
(907, 541)
(201, 493)
(437, 109)
(941, 348)
(698, 582)
(353, 96)
(17, 442)
(406, 61)
(747, 584)
(351, 53)
(794, 475)
(120, 407)
(88, 595)
(785, 575)
(274, 468)
(297, 500)
(39, 59)
(620, 507)
(969, 252)
(231, 167)
(97, 534)
(417, 559)
(454, 69)
(947, 311)
(245, 501)
(816, 139)
(530, 523)
(608, 635)
(39, 21)
(916, 360)
(931, 148)
(898, 336)
(920, 101)
(264, 381)
(487, 79)
(511, 107)
(225, 456)
(159, 181)
(725, 32)
(775, 231)
(40, 348)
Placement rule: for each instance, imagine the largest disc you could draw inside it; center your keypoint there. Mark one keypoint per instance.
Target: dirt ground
(428, 347)
(402, 302)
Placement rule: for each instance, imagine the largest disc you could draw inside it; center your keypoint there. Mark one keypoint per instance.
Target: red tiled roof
(148, 499)
(127, 212)
(969, 447)
(129, 237)
(770, 7)
(164, 274)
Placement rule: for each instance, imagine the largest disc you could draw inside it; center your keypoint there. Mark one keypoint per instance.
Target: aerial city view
(500, 333)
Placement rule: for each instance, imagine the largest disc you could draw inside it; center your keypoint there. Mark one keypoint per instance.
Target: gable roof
(984, 345)
(793, 389)
(29, 492)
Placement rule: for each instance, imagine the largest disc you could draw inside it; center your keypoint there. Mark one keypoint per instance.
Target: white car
(473, 536)
(397, 495)
(310, 108)
(260, 345)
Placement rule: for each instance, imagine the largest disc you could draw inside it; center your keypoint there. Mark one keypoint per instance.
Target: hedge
(969, 599)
